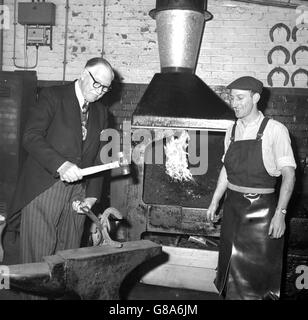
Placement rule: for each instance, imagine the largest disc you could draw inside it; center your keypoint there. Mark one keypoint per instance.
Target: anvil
(93, 273)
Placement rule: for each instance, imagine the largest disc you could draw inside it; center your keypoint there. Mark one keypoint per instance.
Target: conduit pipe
(67, 7)
(1, 43)
(103, 26)
(14, 45)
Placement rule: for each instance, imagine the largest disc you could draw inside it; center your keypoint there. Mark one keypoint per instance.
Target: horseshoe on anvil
(280, 25)
(102, 224)
(105, 222)
(280, 48)
(278, 70)
(300, 70)
(300, 48)
(294, 31)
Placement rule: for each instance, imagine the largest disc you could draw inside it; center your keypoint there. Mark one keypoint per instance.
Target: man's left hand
(277, 226)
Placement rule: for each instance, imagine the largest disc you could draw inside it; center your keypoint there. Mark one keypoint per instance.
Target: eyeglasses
(97, 85)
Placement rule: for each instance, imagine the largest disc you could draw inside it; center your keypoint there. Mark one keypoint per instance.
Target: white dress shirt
(79, 95)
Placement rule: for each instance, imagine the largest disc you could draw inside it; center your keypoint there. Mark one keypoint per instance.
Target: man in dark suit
(62, 136)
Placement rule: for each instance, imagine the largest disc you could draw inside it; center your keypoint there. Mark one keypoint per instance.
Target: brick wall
(235, 42)
(290, 106)
(84, 40)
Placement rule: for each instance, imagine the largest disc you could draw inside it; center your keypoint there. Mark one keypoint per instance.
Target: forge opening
(160, 188)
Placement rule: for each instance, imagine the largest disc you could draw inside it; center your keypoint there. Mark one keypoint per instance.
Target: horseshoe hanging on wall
(280, 25)
(294, 31)
(300, 70)
(278, 70)
(278, 48)
(300, 48)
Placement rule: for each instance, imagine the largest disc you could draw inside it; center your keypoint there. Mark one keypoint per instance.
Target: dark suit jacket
(52, 136)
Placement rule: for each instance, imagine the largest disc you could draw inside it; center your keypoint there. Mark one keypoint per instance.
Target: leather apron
(250, 261)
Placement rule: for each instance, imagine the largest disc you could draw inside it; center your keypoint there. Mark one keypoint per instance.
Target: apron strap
(262, 127)
(260, 131)
(232, 138)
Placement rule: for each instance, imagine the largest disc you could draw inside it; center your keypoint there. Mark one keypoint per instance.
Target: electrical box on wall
(36, 13)
(38, 35)
(38, 19)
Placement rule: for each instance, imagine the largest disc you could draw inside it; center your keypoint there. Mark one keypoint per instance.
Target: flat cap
(246, 83)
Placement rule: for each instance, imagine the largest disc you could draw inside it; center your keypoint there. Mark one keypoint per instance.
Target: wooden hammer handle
(99, 168)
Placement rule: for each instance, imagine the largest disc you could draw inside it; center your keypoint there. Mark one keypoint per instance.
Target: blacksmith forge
(176, 100)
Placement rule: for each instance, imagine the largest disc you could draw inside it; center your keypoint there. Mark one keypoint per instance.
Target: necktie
(84, 119)
(85, 106)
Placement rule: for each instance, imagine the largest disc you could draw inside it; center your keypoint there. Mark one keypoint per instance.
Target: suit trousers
(49, 223)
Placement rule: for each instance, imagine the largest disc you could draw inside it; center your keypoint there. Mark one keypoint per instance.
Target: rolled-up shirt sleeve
(282, 149)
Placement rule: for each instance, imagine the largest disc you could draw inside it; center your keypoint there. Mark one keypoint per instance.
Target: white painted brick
(251, 52)
(236, 40)
(221, 59)
(260, 60)
(238, 67)
(243, 60)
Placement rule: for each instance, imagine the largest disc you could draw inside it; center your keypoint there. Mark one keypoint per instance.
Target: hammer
(121, 163)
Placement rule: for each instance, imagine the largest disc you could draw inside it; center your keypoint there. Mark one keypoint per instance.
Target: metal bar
(1, 43)
(67, 7)
(179, 128)
(271, 3)
(103, 29)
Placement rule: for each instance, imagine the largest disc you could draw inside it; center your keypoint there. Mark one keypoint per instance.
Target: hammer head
(124, 164)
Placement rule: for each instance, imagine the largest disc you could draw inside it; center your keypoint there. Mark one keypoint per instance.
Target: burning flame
(176, 157)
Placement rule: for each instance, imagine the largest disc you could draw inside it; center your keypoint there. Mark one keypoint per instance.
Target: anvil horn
(94, 273)
(44, 278)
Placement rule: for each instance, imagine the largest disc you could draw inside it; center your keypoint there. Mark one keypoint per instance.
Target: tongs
(102, 226)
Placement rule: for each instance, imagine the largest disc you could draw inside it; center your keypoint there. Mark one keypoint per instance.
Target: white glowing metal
(176, 158)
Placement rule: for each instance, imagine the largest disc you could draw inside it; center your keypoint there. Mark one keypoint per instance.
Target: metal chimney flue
(176, 97)
(180, 25)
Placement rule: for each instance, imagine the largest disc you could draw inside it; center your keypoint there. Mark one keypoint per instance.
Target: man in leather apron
(257, 151)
